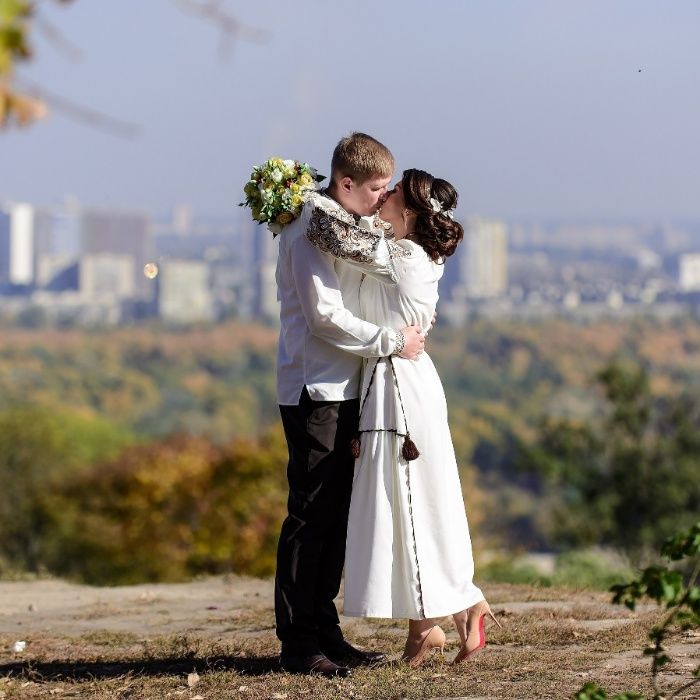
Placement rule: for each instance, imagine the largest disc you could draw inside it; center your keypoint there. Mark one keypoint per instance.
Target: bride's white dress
(408, 552)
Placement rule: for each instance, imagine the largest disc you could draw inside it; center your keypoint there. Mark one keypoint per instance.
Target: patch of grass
(109, 639)
(579, 569)
(499, 672)
(504, 593)
(588, 569)
(504, 570)
(9, 573)
(253, 619)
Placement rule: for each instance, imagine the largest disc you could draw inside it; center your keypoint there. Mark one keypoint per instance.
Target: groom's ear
(346, 184)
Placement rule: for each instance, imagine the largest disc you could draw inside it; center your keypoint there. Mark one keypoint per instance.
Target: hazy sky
(530, 107)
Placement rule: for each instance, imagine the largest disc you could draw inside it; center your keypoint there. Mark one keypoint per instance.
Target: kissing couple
(373, 480)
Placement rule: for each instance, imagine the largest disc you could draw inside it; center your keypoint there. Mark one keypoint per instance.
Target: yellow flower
(294, 187)
(297, 201)
(284, 218)
(305, 179)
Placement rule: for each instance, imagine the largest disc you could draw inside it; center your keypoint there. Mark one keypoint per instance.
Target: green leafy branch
(668, 588)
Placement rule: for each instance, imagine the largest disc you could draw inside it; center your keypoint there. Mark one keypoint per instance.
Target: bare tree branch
(55, 37)
(211, 10)
(86, 115)
(29, 103)
(18, 108)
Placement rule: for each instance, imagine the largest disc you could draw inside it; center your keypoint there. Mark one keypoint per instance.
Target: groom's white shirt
(322, 340)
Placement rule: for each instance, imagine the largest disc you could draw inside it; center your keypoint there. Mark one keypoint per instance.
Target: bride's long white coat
(409, 552)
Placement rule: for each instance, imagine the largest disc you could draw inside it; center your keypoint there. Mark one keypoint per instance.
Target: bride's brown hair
(435, 232)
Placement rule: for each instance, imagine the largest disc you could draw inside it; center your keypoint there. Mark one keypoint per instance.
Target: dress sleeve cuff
(400, 343)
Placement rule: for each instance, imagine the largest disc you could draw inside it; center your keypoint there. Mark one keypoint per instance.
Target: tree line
(147, 454)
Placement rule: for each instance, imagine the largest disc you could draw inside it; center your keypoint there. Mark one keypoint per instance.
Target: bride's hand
(415, 342)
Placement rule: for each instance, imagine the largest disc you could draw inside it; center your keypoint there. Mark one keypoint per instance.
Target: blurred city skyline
(536, 109)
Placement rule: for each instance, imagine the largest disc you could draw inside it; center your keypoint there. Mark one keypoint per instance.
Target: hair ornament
(438, 209)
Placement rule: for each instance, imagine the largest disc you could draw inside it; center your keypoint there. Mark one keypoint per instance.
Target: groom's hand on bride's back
(414, 342)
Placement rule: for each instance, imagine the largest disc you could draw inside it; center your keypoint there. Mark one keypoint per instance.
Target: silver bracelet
(400, 343)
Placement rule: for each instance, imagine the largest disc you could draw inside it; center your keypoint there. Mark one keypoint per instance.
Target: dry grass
(546, 649)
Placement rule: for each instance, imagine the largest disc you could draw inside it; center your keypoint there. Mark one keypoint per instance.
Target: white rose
(289, 164)
(276, 175)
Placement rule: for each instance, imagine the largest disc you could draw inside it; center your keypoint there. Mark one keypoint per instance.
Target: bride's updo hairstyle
(435, 231)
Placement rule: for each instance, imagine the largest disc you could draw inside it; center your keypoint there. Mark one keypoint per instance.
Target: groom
(321, 346)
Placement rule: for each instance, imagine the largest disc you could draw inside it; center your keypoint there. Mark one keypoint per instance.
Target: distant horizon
(160, 215)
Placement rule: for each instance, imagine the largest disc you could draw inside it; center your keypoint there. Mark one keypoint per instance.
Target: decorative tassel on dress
(409, 449)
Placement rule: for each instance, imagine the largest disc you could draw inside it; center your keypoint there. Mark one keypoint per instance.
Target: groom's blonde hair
(361, 157)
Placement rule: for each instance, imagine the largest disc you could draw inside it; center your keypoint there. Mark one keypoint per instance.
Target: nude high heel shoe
(435, 639)
(475, 624)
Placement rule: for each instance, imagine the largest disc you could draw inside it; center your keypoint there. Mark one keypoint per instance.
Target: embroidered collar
(323, 201)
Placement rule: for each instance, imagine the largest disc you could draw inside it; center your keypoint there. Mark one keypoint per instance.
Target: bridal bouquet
(276, 189)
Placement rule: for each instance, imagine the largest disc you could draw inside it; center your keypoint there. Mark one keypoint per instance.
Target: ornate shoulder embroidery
(399, 251)
(336, 233)
(395, 249)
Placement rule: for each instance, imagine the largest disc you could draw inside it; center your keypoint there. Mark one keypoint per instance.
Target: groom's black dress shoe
(341, 650)
(316, 664)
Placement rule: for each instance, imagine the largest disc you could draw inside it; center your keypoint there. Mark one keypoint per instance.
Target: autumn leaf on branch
(19, 108)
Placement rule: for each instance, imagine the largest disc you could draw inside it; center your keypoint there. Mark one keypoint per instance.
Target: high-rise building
(184, 294)
(122, 233)
(22, 243)
(23, 234)
(483, 258)
(57, 273)
(37, 244)
(106, 276)
(65, 225)
(58, 249)
(689, 272)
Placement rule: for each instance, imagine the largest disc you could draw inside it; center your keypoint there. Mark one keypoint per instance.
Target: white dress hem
(394, 614)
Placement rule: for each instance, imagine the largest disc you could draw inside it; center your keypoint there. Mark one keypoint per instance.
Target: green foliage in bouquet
(276, 190)
(680, 596)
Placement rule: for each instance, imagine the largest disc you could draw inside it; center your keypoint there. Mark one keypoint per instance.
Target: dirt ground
(214, 638)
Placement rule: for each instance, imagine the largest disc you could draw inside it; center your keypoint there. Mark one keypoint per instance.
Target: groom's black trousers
(311, 549)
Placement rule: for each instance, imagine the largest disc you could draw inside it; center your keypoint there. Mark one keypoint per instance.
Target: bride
(408, 548)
